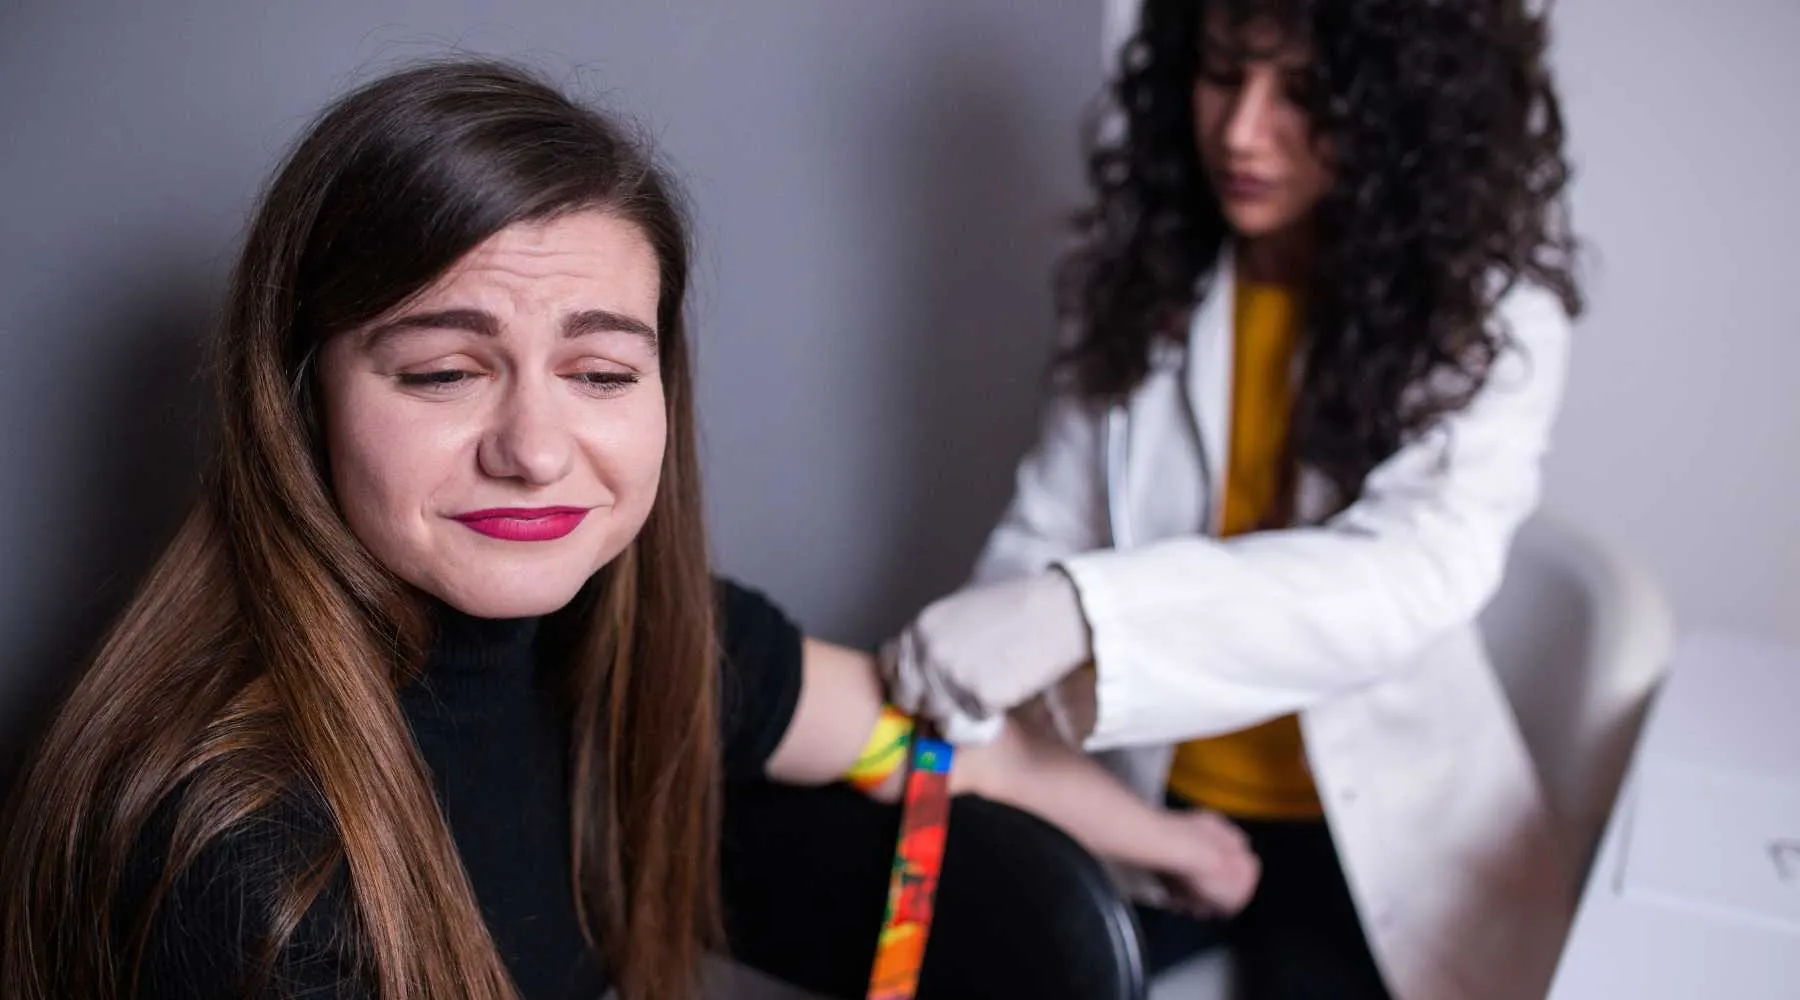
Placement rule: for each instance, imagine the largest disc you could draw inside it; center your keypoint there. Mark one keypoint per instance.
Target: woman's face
(1254, 134)
(498, 439)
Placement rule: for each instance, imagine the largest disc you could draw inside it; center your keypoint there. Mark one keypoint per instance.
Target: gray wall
(876, 185)
(1681, 433)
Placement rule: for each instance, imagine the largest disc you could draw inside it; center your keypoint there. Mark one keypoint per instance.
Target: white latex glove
(973, 655)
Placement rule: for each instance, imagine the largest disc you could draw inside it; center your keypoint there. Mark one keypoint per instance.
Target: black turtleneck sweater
(494, 738)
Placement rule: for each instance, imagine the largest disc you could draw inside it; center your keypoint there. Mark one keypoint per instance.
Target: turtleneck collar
(465, 644)
(475, 667)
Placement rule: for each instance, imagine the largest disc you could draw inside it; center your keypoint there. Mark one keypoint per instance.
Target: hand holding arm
(970, 657)
(1206, 859)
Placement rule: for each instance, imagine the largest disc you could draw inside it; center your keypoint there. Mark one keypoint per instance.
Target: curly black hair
(1446, 142)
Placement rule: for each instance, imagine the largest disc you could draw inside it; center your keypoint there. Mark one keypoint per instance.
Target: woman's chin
(1256, 221)
(527, 597)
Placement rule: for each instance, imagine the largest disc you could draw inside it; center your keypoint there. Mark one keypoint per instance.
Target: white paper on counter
(1716, 840)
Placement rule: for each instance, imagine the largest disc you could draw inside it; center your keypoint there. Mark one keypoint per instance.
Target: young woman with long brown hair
(425, 699)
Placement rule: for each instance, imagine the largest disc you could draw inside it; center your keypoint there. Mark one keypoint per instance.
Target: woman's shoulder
(1535, 351)
(1532, 312)
(209, 906)
(761, 651)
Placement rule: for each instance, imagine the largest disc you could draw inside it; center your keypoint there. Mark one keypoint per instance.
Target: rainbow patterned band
(885, 752)
(918, 860)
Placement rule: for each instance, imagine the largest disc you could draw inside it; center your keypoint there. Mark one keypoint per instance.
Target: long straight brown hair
(263, 652)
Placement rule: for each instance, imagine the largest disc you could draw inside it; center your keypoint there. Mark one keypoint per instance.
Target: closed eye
(606, 382)
(430, 380)
(1225, 77)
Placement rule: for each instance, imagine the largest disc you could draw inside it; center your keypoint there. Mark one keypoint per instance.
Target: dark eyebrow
(472, 320)
(483, 323)
(607, 321)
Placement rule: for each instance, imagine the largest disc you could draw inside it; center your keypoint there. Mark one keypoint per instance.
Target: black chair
(1022, 911)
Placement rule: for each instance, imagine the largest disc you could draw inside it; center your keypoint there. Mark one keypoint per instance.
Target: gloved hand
(971, 656)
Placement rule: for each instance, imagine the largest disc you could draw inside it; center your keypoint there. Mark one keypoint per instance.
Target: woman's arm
(1207, 859)
(840, 699)
(1193, 636)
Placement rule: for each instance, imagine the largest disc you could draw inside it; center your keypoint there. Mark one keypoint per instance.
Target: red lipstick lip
(524, 524)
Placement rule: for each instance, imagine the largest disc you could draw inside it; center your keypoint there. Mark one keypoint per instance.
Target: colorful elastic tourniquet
(918, 859)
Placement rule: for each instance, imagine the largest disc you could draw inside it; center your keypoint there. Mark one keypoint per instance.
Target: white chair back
(1580, 635)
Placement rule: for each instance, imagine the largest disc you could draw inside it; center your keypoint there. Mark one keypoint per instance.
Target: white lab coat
(1365, 625)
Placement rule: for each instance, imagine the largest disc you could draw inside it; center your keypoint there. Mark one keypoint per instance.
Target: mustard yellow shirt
(1260, 772)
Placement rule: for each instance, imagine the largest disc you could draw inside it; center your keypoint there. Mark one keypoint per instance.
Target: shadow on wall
(970, 326)
(128, 447)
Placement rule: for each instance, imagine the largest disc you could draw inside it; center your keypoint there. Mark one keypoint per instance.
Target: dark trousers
(1299, 939)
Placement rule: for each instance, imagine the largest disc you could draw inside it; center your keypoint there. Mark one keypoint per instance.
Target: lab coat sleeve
(1195, 636)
